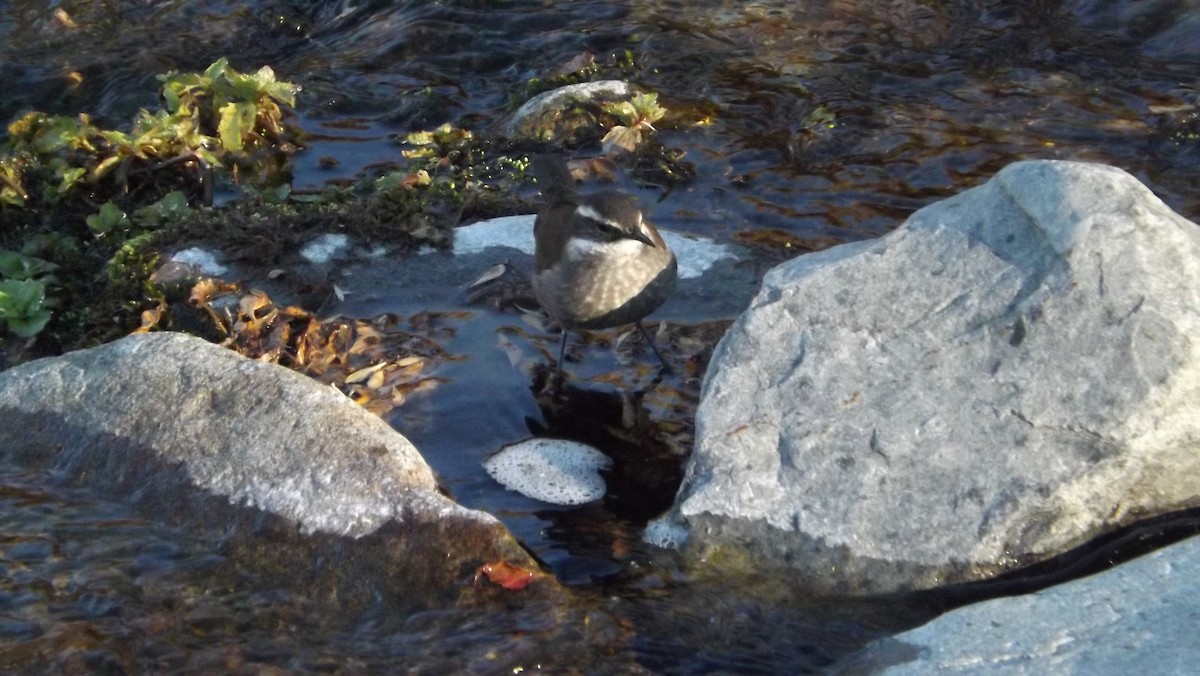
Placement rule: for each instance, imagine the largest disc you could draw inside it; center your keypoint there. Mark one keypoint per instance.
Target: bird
(597, 262)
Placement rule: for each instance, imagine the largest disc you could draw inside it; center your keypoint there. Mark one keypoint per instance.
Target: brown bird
(597, 262)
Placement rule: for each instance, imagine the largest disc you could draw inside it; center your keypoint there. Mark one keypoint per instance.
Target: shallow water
(818, 119)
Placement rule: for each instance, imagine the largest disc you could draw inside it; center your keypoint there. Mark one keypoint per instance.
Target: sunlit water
(819, 119)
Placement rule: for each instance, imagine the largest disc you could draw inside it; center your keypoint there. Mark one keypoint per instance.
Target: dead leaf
(533, 320)
(784, 242)
(513, 578)
(621, 339)
(63, 19)
(495, 272)
(251, 303)
(363, 374)
(387, 320)
(427, 385)
(375, 382)
(621, 139)
(601, 168)
(510, 350)
(399, 395)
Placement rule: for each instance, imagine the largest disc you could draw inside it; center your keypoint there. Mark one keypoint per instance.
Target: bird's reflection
(645, 473)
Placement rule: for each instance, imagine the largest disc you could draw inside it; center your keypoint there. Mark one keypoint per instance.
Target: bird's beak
(641, 237)
(640, 234)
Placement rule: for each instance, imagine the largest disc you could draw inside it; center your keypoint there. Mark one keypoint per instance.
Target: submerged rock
(289, 472)
(1007, 375)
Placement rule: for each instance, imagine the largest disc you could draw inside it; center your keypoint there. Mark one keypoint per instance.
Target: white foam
(695, 255)
(666, 533)
(204, 260)
(551, 470)
(325, 248)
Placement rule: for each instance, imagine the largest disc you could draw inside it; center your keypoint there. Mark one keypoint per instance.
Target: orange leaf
(506, 575)
(151, 318)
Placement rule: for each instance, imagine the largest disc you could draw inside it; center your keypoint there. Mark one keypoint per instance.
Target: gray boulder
(290, 473)
(1139, 617)
(1007, 375)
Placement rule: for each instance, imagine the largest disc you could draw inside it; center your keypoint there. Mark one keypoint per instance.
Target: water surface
(821, 120)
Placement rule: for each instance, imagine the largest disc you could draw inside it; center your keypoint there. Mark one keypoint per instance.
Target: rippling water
(925, 98)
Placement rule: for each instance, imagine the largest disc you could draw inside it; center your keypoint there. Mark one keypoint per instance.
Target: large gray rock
(290, 472)
(1010, 373)
(1139, 617)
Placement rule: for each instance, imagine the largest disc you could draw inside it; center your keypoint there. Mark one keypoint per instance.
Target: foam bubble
(666, 533)
(325, 248)
(203, 259)
(551, 470)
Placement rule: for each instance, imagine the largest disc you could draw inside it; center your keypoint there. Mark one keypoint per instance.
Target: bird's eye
(605, 226)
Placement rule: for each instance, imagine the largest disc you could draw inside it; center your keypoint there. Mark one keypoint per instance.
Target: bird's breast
(596, 285)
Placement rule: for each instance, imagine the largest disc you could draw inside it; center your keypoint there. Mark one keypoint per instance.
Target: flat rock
(1009, 374)
(289, 470)
(1136, 618)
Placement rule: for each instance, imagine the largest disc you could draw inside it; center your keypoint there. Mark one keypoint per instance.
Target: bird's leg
(562, 353)
(650, 340)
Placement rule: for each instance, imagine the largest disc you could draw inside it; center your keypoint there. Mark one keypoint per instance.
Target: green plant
(637, 117)
(170, 208)
(12, 193)
(16, 265)
(110, 219)
(435, 143)
(22, 306)
(54, 170)
(243, 109)
(23, 279)
(218, 119)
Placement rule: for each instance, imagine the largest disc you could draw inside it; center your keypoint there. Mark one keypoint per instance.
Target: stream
(828, 121)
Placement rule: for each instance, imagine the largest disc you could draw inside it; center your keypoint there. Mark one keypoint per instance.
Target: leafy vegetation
(218, 119)
(88, 201)
(637, 117)
(85, 208)
(23, 306)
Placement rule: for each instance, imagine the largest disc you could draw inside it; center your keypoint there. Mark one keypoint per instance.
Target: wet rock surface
(1004, 377)
(291, 474)
(1133, 618)
(559, 113)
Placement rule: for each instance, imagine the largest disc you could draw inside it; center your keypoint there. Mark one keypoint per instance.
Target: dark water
(832, 119)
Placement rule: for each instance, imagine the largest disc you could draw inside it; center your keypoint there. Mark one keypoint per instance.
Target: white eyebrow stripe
(585, 211)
